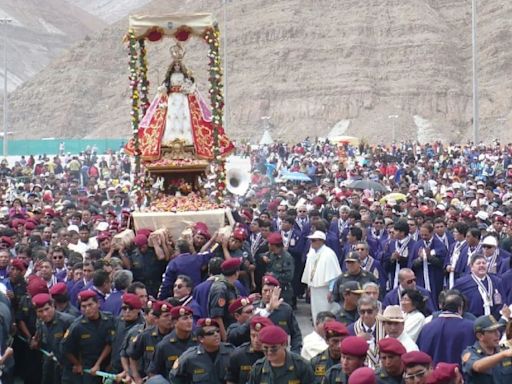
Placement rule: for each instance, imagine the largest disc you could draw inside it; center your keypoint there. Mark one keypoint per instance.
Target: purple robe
(468, 287)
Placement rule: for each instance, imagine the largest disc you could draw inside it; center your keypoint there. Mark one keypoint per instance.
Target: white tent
(266, 138)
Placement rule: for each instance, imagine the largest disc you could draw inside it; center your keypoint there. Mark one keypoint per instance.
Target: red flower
(154, 35)
(182, 34)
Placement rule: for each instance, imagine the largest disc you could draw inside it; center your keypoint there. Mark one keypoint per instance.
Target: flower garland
(143, 75)
(212, 37)
(133, 77)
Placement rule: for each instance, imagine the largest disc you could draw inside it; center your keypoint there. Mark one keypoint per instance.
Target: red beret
(7, 240)
(363, 375)
(18, 263)
(140, 240)
(391, 345)
(204, 233)
(275, 238)
(443, 374)
(239, 304)
(160, 306)
(41, 299)
(59, 289)
(200, 226)
(30, 225)
(49, 212)
(36, 285)
(273, 335)
(207, 322)
(239, 234)
(86, 295)
(231, 266)
(248, 214)
(317, 200)
(354, 346)
(17, 222)
(500, 219)
(176, 312)
(335, 329)
(259, 322)
(102, 236)
(132, 300)
(111, 213)
(416, 358)
(270, 280)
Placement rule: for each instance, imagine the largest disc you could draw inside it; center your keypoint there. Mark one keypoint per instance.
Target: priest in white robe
(321, 270)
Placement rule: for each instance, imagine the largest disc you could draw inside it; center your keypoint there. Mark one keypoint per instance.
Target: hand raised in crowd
(275, 299)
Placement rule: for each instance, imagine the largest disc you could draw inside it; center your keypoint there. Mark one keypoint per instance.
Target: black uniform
(321, 364)
(143, 348)
(500, 374)
(384, 378)
(240, 363)
(222, 293)
(85, 339)
(167, 352)
(362, 278)
(238, 334)
(120, 339)
(285, 318)
(335, 375)
(51, 335)
(295, 370)
(147, 268)
(71, 310)
(282, 267)
(200, 367)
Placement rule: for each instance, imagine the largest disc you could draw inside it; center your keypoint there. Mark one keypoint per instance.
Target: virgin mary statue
(178, 112)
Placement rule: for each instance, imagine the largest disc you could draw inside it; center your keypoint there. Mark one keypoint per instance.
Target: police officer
(334, 334)
(281, 265)
(87, 342)
(130, 317)
(353, 353)
(354, 272)
(244, 357)
(174, 344)
(281, 313)
(417, 367)
(363, 375)
(391, 368)
(242, 310)
(51, 329)
(142, 349)
(222, 293)
(484, 362)
(205, 363)
(279, 365)
(351, 292)
(59, 293)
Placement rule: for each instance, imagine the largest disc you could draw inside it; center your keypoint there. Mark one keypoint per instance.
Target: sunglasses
(271, 349)
(360, 249)
(126, 308)
(487, 246)
(410, 281)
(418, 374)
(179, 286)
(211, 333)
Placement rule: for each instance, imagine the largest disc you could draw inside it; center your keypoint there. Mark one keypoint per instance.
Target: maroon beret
(17, 222)
(86, 295)
(59, 289)
(140, 240)
(7, 240)
(275, 238)
(354, 346)
(270, 280)
(203, 232)
(30, 225)
(231, 266)
(102, 236)
(259, 322)
(176, 312)
(239, 234)
(318, 200)
(49, 212)
(18, 263)
(363, 375)
(239, 304)
(207, 322)
(416, 358)
(132, 300)
(160, 306)
(444, 373)
(200, 226)
(273, 335)
(36, 285)
(500, 219)
(335, 329)
(391, 345)
(41, 299)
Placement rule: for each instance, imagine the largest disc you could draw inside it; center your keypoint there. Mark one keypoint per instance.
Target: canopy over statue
(178, 114)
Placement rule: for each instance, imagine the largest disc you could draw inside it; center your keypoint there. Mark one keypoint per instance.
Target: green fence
(51, 147)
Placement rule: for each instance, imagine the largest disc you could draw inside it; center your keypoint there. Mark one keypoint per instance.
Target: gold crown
(177, 52)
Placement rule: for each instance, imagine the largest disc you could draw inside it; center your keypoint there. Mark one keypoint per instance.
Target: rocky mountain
(308, 65)
(38, 32)
(109, 10)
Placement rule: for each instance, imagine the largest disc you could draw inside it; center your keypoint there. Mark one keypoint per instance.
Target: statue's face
(177, 67)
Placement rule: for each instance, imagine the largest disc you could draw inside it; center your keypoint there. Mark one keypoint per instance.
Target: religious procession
(187, 257)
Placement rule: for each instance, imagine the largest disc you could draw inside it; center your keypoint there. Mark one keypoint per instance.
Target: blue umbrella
(295, 176)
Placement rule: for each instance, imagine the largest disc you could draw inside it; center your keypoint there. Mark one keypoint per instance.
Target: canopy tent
(266, 139)
(155, 27)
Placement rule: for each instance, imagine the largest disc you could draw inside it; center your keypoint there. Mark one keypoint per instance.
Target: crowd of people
(402, 254)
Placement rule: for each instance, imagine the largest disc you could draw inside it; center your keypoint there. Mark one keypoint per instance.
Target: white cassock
(321, 268)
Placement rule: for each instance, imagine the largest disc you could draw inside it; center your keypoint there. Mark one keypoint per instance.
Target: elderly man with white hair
(321, 271)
